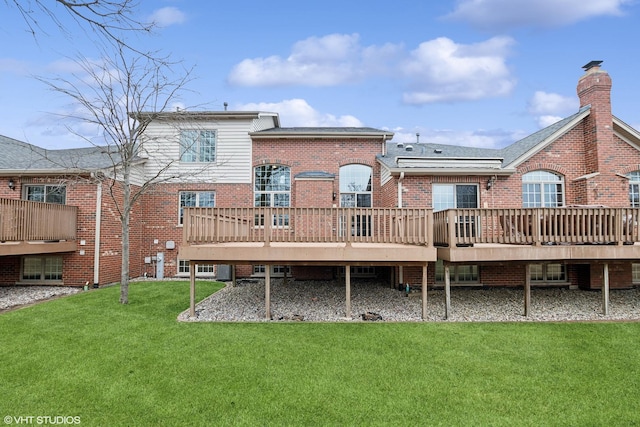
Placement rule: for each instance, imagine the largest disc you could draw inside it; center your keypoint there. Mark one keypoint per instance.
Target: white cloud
(441, 70)
(552, 103)
(551, 107)
(297, 112)
(317, 61)
(167, 16)
(499, 15)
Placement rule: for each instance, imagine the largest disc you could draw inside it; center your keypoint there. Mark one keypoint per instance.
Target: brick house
(559, 207)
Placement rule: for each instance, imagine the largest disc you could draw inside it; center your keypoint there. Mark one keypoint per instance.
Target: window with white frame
(202, 199)
(542, 189)
(458, 274)
(272, 188)
(198, 146)
(355, 186)
(41, 269)
(635, 273)
(548, 273)
(276, 270)
(46, 193)
(201, 269)
(634, 189)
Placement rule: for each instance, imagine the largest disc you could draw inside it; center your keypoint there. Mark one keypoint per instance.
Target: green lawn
(88, 356)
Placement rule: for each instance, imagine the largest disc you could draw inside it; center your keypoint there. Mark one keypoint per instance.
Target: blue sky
(468, 72)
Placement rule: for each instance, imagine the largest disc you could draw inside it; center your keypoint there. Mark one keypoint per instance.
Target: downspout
(400, 179)
(96, 250)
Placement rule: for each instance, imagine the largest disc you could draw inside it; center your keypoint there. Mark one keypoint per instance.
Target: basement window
(38, 269)
(464, 274)
(545, 273)
(202, 270)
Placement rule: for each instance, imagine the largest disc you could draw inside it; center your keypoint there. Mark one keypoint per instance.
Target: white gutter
(96, 250)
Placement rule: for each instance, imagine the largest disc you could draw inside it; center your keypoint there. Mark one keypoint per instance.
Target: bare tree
(112, 20)
(120, 96)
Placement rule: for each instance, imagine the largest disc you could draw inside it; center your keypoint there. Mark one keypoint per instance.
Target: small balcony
(570, 233)
(34, 227)
(337, 236)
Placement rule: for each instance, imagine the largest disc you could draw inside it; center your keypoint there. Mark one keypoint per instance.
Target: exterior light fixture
(490, 182)
(12, 184)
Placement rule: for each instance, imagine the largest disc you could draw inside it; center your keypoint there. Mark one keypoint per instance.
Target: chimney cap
(591, 65)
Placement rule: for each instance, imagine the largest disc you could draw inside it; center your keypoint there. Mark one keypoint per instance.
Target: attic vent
(437, 151)
(400, 145)
(409, 148)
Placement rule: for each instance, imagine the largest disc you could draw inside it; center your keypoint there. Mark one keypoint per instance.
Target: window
(201, 269)
(198, 146)
(46, 193)
(272, 188)
(548, 273)
(355, 186)
(451, 196)
(276, 270)
(44, 268)
(202, 199)
(635, 273)
(634, 189)
(458, 274)
(458, 196)
(542, 189)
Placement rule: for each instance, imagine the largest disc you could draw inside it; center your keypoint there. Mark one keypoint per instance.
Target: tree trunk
(126, 214)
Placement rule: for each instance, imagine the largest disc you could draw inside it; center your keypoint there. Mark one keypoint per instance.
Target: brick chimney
(594, 89)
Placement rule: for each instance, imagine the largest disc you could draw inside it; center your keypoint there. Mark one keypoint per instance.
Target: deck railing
(308, 225)
(22, 220)
(567, 225)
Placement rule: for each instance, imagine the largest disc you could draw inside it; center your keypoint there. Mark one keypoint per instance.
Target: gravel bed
(15, 296)
(324, 301)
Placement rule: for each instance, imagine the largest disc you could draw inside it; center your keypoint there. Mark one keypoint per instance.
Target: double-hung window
(198, 146)
(203, 199)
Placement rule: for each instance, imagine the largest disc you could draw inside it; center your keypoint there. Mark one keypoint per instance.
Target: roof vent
(400, 145)
(409, 148)
(437, 151)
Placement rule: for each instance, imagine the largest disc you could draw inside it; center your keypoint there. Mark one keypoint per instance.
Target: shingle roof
(508, 154)
(320, 131)
(25, 157)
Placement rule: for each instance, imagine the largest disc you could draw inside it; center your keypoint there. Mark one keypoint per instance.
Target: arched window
(634, 189)
(355, 186)
(542, 189)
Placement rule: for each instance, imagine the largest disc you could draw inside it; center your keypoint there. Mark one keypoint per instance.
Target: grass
(90, 357)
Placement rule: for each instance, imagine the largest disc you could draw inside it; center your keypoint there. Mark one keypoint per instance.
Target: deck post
(527, 289)
(605, 290)
(347, 281)
(233, 276)
(267, 291)
(447, 290)
(192, 289)
(424, 292)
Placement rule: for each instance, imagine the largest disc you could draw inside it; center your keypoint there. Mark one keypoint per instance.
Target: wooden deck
(34, 228)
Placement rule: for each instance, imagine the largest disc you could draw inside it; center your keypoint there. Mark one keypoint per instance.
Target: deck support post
(347, 282)
(605, 290)
(267, 292)
(424, 292)
(447, 290)
(192, 288)
(233, 276)
(527, 289)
